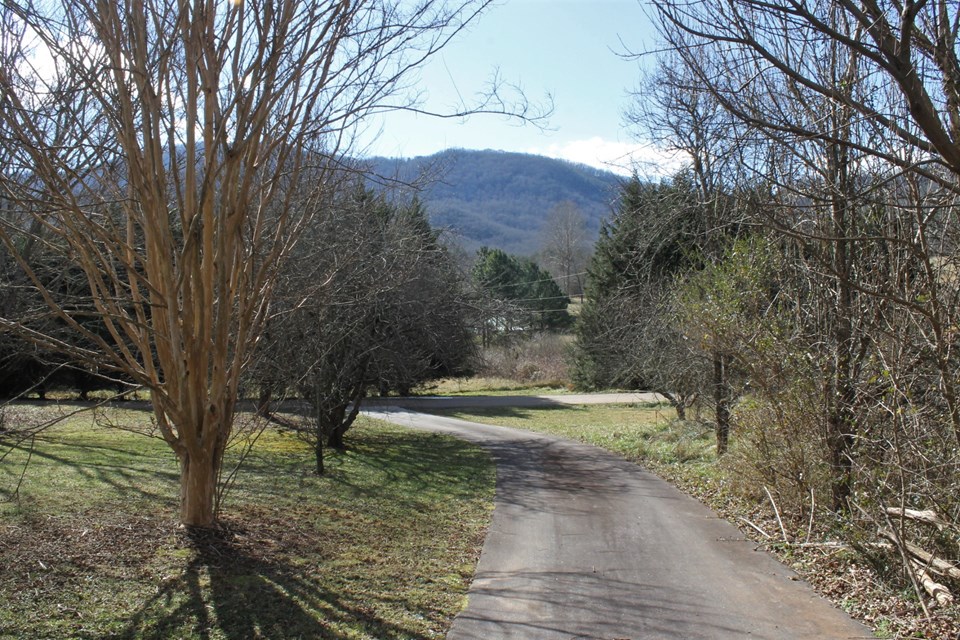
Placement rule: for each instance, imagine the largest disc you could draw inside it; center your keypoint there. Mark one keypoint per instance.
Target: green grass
(640, 432)
(383, 546)
(487, 386)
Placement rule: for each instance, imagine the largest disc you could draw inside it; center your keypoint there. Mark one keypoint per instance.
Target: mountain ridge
(498, 198)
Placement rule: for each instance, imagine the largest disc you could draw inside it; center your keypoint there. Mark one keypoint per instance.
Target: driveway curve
(584, 544)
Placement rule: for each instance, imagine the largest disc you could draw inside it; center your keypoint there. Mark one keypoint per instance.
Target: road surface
(584, 544)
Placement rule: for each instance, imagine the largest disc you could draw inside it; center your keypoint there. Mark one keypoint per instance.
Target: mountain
(496, 198)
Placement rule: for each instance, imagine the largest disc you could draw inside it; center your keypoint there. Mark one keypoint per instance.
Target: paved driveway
(584, 544)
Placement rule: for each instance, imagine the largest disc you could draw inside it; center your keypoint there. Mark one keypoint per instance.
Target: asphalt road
(584, 544)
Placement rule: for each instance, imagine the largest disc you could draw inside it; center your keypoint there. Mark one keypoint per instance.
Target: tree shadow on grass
(116, 469)
(234, 587)
(518, 412)
(422, 462)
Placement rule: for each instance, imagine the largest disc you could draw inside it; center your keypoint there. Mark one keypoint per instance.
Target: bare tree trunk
(681, 410)
(263, 400)
(198, 488)
(318, 455)
(840, 440)
(721, 398)
(339, 430)
(678, 401)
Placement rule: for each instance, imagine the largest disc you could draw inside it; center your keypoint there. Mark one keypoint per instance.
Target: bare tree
(904, 57)
(564, 246)
(853, 115)
(159, 150)
(369, 299)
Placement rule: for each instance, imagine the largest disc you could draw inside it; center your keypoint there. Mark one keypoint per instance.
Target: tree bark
(318, 454)
(264, 399)
(198, 488)
(678, 402)
(840, 414)
(721, 397)
(335, 440)
(346, 420)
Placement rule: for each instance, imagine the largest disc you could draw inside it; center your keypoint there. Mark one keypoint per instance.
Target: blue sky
(566, 48)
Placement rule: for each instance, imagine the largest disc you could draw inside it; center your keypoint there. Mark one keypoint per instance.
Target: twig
(776, 512)
(761, 531)
(224, 485)
(15, 496)
(813, 508)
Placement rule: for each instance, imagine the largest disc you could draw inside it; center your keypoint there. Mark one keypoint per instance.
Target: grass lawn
(383, 546)
(639, 432)
(487, 386)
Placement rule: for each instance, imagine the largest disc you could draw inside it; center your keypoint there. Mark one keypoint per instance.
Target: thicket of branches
(369, 300)
(813, 300)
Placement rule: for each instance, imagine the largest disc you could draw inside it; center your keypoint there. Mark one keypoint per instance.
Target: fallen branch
(905, 558)
(757, 528)
(928, 516)
(935, 564)
(776, 512)
(937, 591)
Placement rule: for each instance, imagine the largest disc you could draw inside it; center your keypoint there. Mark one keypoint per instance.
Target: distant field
(384, 546)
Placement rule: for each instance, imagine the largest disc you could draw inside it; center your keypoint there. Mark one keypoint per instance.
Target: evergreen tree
(522, 294)
(652, 236)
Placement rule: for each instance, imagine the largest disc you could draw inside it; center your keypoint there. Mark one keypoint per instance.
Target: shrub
(541, 358)
(780, 447)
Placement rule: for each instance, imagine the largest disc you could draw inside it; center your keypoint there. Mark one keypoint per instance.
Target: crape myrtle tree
(158, 147)
(369, 299)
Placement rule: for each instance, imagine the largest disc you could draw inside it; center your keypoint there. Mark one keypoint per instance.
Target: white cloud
(620, 157)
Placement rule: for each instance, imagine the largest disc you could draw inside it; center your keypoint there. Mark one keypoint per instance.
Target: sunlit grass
(383, 546)
(646, 433)
(480, 385)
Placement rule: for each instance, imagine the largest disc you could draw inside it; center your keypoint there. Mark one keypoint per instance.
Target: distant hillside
(500, 199)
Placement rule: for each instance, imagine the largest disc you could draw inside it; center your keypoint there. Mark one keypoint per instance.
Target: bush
(541, 358)
(779, 446)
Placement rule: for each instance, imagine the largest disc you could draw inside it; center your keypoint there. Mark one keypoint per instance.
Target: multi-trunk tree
(174, 151)
(369, 301)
